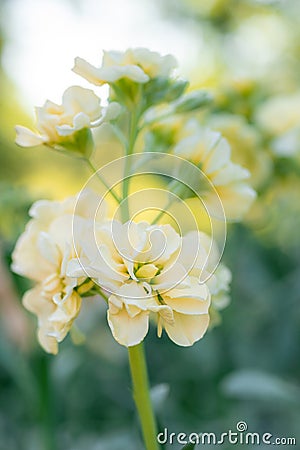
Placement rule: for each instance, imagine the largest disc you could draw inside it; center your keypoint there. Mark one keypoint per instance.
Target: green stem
(133, 133)
(101, 293)
(141, 395)
(110, 190)
(119, 134)
(163, 211)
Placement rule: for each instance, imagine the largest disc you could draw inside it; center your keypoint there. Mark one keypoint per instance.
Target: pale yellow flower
(212, 154)
(131, 251)
(279, 117)
(140, 267)
(42, 254)
(246, 145)
(56, 124)
(137, 64)
(280, 114)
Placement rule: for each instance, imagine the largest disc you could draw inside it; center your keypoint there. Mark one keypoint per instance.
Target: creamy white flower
(56, 124)
(152, 63)
(137, 64)
(131, 251)
(211, 153)
(141, 268)
(42, 254)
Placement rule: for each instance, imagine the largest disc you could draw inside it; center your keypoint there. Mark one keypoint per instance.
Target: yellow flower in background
(136, 64)
(57, 124)
(212, 154)
(279, 114)
(246, 145)
(42, 253)
(279, 118)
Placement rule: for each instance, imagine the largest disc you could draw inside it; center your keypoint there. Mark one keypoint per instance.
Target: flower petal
(189, 300)
(128, 330)
(88, 71)
(27, 138)
(187, 329)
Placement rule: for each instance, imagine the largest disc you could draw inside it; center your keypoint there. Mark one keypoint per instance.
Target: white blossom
(141, 269)
(56, 124)
(137, 64)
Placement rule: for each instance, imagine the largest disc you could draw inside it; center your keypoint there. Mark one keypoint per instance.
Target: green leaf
(260, 386)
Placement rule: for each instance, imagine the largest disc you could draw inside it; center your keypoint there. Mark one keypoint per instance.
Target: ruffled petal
(187, 329)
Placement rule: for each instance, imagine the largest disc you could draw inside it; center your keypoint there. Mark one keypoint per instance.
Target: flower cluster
(144, 271)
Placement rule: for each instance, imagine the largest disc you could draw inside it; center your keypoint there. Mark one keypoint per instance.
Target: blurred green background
(248, 368)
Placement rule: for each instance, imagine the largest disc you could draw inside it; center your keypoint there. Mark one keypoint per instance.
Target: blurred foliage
(246, 369)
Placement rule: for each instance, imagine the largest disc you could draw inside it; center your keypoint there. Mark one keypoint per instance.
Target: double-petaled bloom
(148, 271)
(42, 254)
(136, 64)
(58, 124)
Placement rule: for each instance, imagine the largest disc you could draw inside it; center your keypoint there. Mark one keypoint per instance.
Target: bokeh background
(247, 52)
